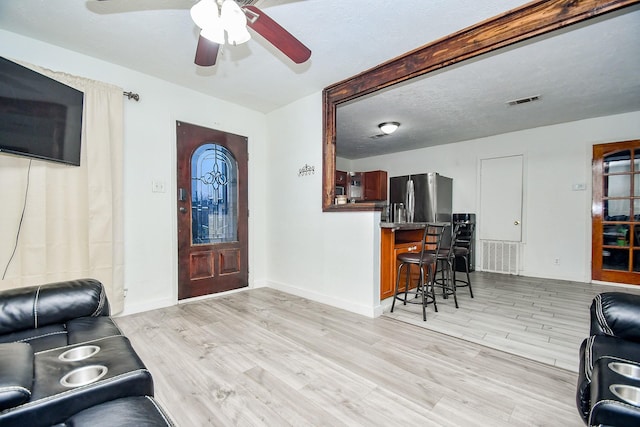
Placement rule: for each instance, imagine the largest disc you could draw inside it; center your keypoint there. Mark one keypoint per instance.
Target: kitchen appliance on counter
(426, 197)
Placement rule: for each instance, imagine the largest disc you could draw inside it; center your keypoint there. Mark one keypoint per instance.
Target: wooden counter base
(394, 241)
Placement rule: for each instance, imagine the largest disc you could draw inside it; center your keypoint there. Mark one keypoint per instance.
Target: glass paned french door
(616, 212)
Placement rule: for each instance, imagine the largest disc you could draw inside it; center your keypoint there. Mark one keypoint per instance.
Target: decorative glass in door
(621, 211)
(214, 195)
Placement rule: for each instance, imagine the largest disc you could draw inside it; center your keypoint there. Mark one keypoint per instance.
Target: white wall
(149, 152)
(294, 246)
(556, 220)
(328, 257)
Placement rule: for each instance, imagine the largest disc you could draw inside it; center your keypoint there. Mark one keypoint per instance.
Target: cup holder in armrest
(83, 376)
(627, 393)
(79, 353)
(625, 369)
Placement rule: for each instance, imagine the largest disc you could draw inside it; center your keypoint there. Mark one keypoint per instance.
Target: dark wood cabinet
(368, 186)
(341, 178)
(375, 186)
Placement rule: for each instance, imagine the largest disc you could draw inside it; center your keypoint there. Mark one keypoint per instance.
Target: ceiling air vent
(524, 100)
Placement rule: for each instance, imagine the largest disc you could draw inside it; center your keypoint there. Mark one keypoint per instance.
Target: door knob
(516, 222)
(183, 209)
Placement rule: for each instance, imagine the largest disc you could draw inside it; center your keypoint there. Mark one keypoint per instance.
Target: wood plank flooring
(541, 319)
(265, 358)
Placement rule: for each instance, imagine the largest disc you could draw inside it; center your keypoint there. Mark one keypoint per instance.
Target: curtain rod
(131, 95)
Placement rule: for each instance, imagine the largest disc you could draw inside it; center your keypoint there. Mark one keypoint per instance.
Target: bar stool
(462, 250)
(445, 259)
(432, 238)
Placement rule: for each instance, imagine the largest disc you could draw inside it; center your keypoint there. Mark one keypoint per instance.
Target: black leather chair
(63, 361)
(138, 411)
(56, 314)
(608, 390)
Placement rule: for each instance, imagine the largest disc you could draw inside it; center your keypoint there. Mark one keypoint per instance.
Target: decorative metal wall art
(306, 170)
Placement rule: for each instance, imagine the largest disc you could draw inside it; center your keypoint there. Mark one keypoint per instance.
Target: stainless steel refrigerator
(427, 197)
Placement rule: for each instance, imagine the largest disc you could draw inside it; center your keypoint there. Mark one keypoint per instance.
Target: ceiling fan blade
(206, 52)
(283, 40)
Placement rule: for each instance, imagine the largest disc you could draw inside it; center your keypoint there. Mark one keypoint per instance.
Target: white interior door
(501, 199)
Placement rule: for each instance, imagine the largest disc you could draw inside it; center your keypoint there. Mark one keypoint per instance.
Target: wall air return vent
(524, 100)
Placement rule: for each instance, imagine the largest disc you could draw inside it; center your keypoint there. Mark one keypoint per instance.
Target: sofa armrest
(616, 314)
(36, 306)
(16, 374)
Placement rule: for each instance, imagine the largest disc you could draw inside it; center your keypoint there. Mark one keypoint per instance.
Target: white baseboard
(373, 311)
(325, 299)
(146, 306)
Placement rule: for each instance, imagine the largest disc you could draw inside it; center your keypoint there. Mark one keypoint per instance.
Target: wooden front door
(615, 213)
(212, 211)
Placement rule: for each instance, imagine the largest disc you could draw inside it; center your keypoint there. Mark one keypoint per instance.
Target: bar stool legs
(464, 283)
(422, 289)
(447, 279)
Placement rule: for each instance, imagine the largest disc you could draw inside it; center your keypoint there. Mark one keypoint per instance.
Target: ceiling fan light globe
(213, 33)
(233, 18)
(205, 13)
(238, 36)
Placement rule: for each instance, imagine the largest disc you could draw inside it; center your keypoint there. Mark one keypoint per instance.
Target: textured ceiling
(157, 37)
(582, 72)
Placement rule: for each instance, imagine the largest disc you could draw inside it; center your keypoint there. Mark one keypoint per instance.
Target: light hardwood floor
(266, 358)
(541, 319)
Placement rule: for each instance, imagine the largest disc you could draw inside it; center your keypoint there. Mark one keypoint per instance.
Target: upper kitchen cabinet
(368, 186)
(375, 185)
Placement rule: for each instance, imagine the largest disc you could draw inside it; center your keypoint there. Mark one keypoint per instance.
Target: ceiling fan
(232, 17)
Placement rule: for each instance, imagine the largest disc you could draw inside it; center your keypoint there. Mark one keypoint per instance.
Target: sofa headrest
(616, 314)
(36, 306)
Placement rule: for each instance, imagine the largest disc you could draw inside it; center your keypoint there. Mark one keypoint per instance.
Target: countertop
(409, 225)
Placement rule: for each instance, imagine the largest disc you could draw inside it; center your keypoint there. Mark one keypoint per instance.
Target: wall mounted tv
(39, 116)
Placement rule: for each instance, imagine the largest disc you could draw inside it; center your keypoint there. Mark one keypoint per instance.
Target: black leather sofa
(64, 362)
(608, 392)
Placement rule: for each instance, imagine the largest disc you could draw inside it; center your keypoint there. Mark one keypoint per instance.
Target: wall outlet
(556, 261)
(158, 186)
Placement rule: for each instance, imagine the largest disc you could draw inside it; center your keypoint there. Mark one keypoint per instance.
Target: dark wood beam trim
(533, 19)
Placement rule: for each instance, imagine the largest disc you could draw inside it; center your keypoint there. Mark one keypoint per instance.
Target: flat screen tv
(39, 116)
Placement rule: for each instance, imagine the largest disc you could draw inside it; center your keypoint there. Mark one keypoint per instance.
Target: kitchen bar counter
(397, 238)
(403, 225)
(409, 225)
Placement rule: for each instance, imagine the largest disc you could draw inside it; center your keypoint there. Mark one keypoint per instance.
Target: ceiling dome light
(389, 127)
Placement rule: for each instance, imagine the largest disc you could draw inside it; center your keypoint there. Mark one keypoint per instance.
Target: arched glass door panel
(214, 195)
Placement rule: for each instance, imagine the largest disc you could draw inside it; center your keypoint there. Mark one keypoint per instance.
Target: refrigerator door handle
(411, 200)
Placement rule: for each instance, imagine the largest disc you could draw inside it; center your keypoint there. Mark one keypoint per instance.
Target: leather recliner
(56, 314)
(602, 395)
(64, 362)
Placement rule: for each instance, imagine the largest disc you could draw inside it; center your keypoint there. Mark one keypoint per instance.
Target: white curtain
(72, 225)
